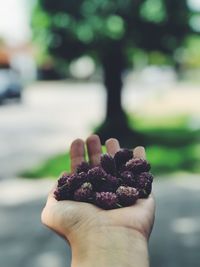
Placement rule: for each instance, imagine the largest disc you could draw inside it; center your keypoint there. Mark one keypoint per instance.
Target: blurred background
(124, 69)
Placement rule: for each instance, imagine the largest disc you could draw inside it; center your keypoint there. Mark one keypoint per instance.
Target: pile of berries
(117, 182)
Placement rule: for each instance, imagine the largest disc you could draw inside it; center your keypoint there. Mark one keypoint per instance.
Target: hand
(81, 223)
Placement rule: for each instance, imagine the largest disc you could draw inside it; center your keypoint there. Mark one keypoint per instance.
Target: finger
(94, 149)
(77, 153)
(112, 146)
(139, 152)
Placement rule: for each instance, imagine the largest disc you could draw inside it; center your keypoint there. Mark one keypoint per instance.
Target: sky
(14, 19)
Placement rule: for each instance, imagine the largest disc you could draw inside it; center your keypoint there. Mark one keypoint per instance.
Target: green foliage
(69, 29)
(41, 22)
(153, 11)
(191, 54)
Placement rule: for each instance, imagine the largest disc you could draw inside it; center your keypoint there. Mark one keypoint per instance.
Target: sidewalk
(24, 242)
(175, 241)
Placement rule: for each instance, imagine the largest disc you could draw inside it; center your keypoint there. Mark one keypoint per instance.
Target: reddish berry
(127, 195)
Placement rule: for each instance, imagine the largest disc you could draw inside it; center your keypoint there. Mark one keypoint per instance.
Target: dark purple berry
(83, 167)
(106, 200)
(79, 179)
(62, 180)
(84, 193)
(64, 192)
(112, 180)
(96, 172)
(127, 178)
(108, 164)
(137, 166)
(149, 176)
(109, 184)
(127, 195)
(96, 176)
(57, 194)
(144, 184)
(121, 157)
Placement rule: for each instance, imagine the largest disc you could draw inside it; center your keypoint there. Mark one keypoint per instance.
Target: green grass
(166, 131)
(167, 160)
(151, 123)
(174, 147)
(51, 168)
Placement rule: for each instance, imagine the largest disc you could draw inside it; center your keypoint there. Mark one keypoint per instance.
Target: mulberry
(144, 184)
(79, 179)
(108, 164)
(122, 156)
(106, 200)
(83, 167)
(109, 184)
(137, 166)
(127, 195)
(127, 178)
(64, 192)
(62, 180)
(84, 193)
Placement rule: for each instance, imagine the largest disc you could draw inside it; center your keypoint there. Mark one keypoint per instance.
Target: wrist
(111, 246)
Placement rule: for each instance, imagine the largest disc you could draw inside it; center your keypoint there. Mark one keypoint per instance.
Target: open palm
(71, 219)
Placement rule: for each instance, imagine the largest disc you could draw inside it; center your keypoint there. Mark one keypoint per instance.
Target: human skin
(98, 237)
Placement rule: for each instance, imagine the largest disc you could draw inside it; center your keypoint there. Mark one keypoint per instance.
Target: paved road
(50, 117)
(25, 242)
(175, 239)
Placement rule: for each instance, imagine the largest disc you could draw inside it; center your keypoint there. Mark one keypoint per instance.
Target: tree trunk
(115, 124)
(113, 65)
